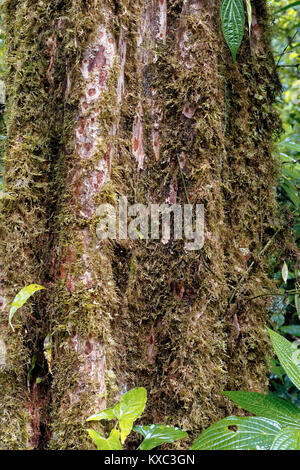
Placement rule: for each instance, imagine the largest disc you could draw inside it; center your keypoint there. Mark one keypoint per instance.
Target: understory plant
(125, 412)
(276, 425)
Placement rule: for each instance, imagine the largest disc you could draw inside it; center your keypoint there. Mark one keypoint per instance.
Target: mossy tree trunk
(134, 98)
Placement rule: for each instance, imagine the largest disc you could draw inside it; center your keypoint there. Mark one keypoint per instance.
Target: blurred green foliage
(286, 46)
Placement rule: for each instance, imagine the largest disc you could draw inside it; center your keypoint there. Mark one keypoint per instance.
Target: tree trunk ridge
(139, 99)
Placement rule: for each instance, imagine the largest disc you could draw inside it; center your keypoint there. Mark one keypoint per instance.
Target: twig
(287, 52)
(286, 292)
(288, 65)
(251, 266)
(289, 42)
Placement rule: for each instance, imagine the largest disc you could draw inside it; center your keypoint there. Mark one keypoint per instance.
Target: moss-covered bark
(138, 99)
(31, 137)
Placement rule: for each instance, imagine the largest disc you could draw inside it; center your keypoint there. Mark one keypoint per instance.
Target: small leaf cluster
(276, 425)
(125, 412)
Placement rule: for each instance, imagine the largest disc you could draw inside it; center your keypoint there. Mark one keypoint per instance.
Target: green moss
(163, 319)
(181, 338)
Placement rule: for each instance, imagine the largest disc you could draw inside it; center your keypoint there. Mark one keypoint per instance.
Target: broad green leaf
(249, 14)
(157, 434)
(291, 194)
(287, 439)
(234, 433)
(296, 354)
(112, 443)
(129, 409)
(105, 414)
(233, 24)
(285, 272)
(289, 146)
(99, 440)
(21, 298)
(291, 330)
(284, 350)
(284, 412)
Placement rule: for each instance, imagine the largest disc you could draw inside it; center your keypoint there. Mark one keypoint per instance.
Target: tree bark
(139, 99)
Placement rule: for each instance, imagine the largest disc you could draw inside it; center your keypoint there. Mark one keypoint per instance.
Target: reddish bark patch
(107, 157)
(82, 124)
(102, 77)
(98, 61)
(100, 177)
(88, 347)
(88, 147)
(150, 349)
(178, 290)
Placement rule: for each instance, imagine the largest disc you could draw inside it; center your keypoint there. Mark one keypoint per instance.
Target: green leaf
(112, 443)
(233, 24)
(21, 298)
(285, 350)
(291, 330)
(285, 272)
(157, 434)
(249, 14)
(277, 369)
(129, 409)
(105, 414)
(234, 433)
(99, 440)
(287, 439)
(267, 406)
(290, 145)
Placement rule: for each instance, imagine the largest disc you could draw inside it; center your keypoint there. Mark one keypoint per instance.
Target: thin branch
(290, 50)
(288, 65)
(273, 294)
(251, 266)
(288, 44)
